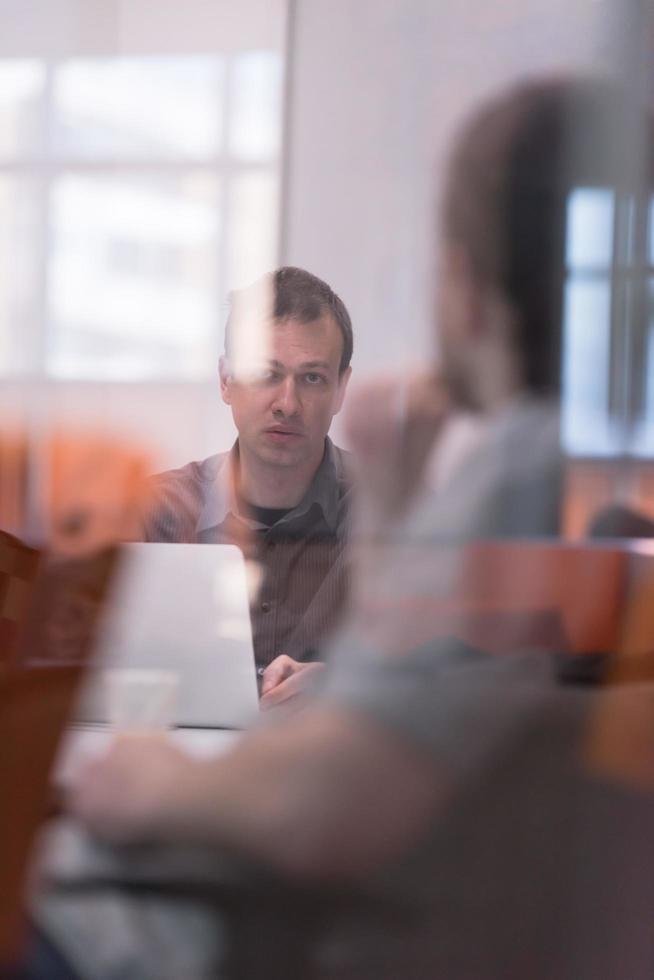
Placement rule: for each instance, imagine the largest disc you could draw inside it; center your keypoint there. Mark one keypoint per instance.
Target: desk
(81, 743)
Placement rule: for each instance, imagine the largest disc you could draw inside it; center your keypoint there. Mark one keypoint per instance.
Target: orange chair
(19, 565)
(38, 687)
(81, 494)
(505, 596)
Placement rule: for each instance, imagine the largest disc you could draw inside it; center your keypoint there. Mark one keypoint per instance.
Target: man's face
(284, 410)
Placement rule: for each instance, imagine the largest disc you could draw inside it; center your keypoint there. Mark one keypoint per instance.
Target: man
(282, 492)
(451, 781)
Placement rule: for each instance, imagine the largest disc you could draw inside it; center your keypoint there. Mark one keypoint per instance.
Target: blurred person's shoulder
(177, 498)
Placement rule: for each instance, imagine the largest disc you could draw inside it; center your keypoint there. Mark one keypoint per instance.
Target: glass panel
(19, 294)
(586, 427)
(256, 104)
(133, 276)
(21, 89)
(643, 440)
(152, 107)
(252, 227)
(650, 251)
(589, 241)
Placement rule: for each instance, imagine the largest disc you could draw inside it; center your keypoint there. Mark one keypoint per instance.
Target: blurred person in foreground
(282, 492)
(449, 782)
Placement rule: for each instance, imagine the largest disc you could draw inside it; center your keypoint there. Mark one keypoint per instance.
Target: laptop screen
(182, 609)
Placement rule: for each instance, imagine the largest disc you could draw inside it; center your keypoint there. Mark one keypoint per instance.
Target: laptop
(181, 609)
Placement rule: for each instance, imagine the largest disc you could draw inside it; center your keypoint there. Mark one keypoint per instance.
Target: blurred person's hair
(296, 294)
(510, 176)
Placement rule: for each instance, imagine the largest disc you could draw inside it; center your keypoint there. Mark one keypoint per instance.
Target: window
(608, 325)
(135, 191)
(587, 426)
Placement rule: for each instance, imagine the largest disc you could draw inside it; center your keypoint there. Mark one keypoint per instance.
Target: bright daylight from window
(606, 276)
(134, 193)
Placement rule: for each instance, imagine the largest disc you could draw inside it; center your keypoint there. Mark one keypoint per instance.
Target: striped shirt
(302, 556)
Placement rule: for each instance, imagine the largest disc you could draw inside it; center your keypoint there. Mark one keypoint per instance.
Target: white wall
(378, 88)
(61, 28)
(174, 423)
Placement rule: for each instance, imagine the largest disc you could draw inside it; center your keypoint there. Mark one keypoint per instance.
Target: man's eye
(266, 376)
(314, 379)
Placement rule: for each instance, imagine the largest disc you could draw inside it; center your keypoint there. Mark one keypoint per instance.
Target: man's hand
(286, 679)
(124, 795)
(326, 793)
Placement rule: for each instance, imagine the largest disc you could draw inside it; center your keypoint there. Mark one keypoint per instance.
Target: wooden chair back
(505, 596)
(38, 688)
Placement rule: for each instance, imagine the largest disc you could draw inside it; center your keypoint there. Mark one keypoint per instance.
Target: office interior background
(155, 155)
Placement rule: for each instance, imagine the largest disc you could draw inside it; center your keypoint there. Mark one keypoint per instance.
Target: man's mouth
(281, 432)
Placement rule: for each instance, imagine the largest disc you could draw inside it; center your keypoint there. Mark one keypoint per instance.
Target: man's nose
(286, 399)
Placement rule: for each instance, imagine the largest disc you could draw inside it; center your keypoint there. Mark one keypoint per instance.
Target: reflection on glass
(643, 437)
(589, 241)
(132, 276)
(255, 110)
(586, 427)
(154, 107)
(19, 230)
(21, 88)
(252, 227)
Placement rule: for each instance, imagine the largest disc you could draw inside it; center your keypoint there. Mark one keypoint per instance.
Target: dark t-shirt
(268, 516)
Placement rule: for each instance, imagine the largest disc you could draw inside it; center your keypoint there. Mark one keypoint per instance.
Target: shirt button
(261, 671)
(265, 606)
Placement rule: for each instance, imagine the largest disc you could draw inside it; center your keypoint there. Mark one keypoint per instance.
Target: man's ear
(225, 380)
(342, 387)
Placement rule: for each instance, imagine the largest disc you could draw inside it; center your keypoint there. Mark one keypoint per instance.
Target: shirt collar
(323, 490)
(220, 496)
(221, 499)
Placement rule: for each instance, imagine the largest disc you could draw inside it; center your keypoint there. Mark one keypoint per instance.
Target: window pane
(643, 440)
(133, 276)
(255, 111)
(21, 90)
(586, 427)
(590, 229)
(151, 107)
(19, 294)
(252, 227)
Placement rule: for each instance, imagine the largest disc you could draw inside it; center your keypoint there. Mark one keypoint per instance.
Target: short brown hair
(299, 295)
